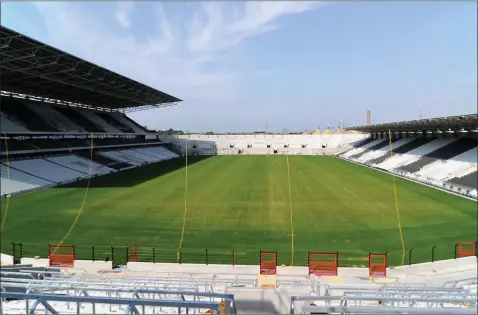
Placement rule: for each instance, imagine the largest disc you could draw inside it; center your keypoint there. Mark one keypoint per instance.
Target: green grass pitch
(241, 203)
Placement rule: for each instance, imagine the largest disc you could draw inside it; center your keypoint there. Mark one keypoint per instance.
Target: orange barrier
(133, 256)
(62, 256)
(377, 265)
(465, 249)
(323, 264)
(268, 263)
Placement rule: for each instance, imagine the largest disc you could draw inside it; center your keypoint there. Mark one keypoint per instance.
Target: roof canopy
(466, 122)
(32, 68)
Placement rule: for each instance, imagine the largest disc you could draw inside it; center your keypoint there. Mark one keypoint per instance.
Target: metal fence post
(112, 256)
(13, 251)
(206, 257)
(74, 252)
(433, 253)
(154, 256)
(233, 257)
(92, 253)
(456, 249)
(410, 256)
(21, 250)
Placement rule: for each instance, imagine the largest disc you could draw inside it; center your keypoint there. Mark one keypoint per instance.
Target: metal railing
(131, 304)
(389, 310)
(383, 302)
(118, 255)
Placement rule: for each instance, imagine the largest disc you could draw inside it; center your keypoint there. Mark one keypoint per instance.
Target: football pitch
(243, 204)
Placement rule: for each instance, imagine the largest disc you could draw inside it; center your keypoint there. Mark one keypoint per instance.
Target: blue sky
(241, 66)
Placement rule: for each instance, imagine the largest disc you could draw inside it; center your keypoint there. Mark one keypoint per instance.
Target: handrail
(328, 299)
(109, 300)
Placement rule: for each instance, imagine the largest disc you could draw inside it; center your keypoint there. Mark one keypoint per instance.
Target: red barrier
(132, 253)
(268, 263)
(466, 249)
(323, 264)
(61, 256)
(377, 265)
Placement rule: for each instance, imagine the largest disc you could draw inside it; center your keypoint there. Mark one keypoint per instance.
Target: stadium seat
(14, 181)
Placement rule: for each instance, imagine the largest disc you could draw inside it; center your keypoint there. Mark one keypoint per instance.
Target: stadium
(100, 214)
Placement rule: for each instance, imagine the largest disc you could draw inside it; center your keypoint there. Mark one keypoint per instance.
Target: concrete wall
(35, 262)
(6, 260)
(93, 265)
(458, 264)
(213, 269)
(265, 301)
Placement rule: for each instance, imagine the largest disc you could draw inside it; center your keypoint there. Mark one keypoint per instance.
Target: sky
(248, 66)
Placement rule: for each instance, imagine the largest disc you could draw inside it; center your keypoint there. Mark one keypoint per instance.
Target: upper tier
(21, 115)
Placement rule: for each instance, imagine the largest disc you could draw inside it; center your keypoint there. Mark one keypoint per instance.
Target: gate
(268, 263)
(377, 265)
(62, 256)
(465, 249)
(323, 264)
(131, 253)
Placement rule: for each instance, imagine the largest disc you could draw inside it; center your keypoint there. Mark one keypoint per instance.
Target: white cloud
(123, 13)
(178, 58)
(221, 26)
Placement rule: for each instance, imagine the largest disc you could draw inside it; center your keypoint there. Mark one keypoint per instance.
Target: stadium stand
(42, 168)
(103, 160)
(383, 150)
(415, 154)
(202, 289)
(15, 145)
(357, 145)
(444, 168)
(413, 144)
(469, 180)
(53, 117)
(97, 120)
(361, 148)
(48, 144)
(443, 153)
(15, 110)
(443, 159)
(79, 164)
(115, 123)
(48, 116)
(80, 120)
(7, 125)
(381, 144)
(14, 181)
